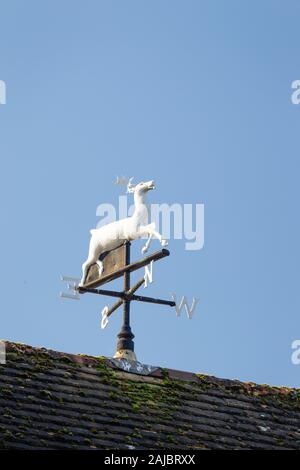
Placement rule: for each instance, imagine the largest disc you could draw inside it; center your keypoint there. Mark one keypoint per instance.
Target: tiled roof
(51, 400)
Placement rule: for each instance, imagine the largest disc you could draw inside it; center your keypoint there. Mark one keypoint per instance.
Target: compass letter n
(148, 277)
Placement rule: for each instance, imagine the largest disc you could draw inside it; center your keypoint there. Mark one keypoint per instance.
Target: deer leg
(100, 266)
(156, 234)
(150, 230)
(93, 257)
(147, 244)
(85, 267)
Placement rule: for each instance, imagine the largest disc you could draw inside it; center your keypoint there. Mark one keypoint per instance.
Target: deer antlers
(130, 186)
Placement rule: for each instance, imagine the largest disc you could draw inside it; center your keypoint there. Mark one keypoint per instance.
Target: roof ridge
(250, 388)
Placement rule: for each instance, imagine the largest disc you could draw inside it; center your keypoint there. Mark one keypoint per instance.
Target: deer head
(140, 188)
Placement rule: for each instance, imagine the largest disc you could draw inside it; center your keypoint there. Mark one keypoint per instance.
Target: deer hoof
(164, 243)
(144, 250)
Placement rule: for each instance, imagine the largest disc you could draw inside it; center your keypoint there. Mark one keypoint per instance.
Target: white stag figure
(111, 236)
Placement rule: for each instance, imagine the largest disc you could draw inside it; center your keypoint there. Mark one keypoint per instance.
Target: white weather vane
(109, 259)
(107, 237)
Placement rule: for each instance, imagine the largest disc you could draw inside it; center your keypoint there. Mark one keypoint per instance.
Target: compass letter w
(184, 304)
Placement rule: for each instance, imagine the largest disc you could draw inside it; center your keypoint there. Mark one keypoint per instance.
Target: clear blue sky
(195, 94)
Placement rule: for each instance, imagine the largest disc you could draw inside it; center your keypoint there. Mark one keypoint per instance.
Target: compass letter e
(72, 284)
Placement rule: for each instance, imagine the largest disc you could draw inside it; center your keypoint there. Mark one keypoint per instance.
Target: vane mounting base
(125, 354)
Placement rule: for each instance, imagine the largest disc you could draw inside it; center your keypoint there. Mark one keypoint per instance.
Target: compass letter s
(104, 320)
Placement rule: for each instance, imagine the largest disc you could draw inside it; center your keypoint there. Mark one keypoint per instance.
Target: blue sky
(196, 95)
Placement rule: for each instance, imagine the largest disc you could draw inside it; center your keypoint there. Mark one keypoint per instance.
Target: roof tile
(52, 400)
